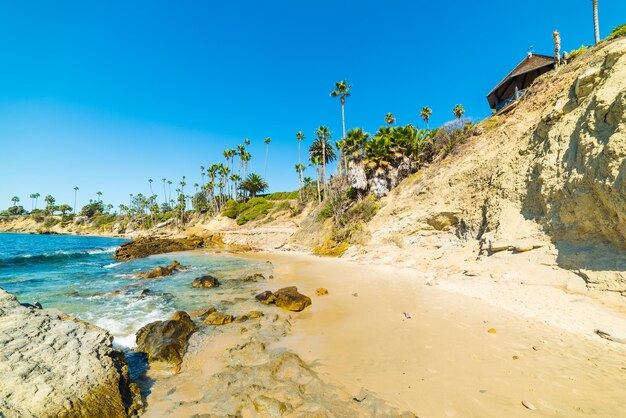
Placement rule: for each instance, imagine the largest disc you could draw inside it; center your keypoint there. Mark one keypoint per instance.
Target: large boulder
(162, 271)
(166, 341)
(287, 298)
(290, 299)
(53, 365)
(143, 247)
(205, 281)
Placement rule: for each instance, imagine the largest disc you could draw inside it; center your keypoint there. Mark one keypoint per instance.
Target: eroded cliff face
(550, 175)
(55, 366)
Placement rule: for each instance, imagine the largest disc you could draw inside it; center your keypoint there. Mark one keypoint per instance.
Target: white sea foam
(110, 266)
(102, 250)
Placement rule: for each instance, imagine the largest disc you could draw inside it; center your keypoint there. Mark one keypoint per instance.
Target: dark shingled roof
(528, 64)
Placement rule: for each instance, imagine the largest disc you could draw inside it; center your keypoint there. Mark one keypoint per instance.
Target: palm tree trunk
(324, 165)
(596, 24)
(343, 116)
(267, 154)
(317, 174)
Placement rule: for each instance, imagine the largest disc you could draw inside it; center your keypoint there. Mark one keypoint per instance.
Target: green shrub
(254, 209)
(325, 213)
(101, 220)
(50, 222)
(576, 53)
(232, 209)
(282, 196)
(617, 32)
(283, 206)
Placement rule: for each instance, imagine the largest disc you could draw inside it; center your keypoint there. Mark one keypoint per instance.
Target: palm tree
(458, 111)
(169, 186)
(390, 119)
(246, 157)
(33, 196)
(342, 90)
(596, 23)
(15, 200)
(150, 182)
(241, 150)
(235, 178)
(316, 161)
(300, 138)
(100, 196)
(425, 114)
(246, 141)
(355, 144)
(202, 175)
(36, 195)
(75, 192)
(164, 191)
(299, 169)
(49, 203)
(253, 184)
(323, 135)
(267, 152)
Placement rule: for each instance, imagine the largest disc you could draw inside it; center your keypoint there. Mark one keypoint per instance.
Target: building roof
(530, 63)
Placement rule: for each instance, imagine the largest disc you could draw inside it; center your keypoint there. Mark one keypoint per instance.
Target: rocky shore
(53, 365)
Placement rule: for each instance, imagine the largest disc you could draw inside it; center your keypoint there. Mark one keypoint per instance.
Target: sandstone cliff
(547, 177)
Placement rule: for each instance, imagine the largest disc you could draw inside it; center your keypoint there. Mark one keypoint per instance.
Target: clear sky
(105, 95)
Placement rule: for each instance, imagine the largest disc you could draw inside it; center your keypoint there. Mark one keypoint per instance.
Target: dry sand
(443, 362)
(440, 362)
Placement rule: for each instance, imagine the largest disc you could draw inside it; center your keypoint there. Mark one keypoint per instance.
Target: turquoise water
(79, 276)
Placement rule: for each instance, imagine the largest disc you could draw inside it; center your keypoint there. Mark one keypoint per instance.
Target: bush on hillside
(576, 53)
(16, 210)
(92, 209)
(282, 196)
(617, 32)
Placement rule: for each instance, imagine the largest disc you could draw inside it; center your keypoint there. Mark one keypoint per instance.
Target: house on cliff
(502, 98)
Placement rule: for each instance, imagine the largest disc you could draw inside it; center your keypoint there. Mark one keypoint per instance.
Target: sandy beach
(420, 348)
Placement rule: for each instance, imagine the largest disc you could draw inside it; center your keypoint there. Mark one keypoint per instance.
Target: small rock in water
(254, 277)
(266, 297)
(321, 291)
(205, 282)
(528, 405)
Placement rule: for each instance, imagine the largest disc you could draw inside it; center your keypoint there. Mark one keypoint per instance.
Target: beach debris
(205, 281)
(515, 357)
(72, 293)
(218, 318)
(491, 330)
(407, 315)
(287, 298)
(355, 295)
(271, 277)
(162, 271)
(528, 405)
(166, 341)
(609, 337)
(536, 348)
(321, 291)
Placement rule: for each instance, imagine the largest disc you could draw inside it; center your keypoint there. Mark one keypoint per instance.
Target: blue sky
(105, 95)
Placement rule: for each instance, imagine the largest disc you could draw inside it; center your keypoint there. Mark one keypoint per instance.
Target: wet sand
(440, 362)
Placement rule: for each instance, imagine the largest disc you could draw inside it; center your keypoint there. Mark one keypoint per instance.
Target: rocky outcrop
(166, 341)
(287, 298)
(218, 318)
(205, 282)
(53, 367)
(143, 247)
(162, 271)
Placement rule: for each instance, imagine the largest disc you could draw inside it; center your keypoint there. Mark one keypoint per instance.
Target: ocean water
(79, 276)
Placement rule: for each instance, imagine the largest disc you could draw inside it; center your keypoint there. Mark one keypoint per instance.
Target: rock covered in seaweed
(53, 365)
(205, 281)
(162, 271)
(143, 247)
(166, 341)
